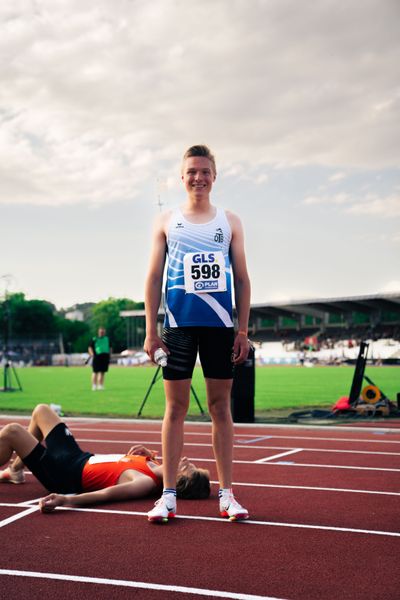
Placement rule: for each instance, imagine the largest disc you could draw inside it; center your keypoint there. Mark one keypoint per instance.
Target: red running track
(324, 523)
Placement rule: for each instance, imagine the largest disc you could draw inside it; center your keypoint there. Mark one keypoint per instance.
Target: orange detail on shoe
(171, 515)
(240, 517)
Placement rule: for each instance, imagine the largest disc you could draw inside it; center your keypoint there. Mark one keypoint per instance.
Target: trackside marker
(275, 456)
(136, 584)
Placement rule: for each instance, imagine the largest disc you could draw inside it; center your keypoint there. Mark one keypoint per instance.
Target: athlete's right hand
(50, 502)
(151, 344)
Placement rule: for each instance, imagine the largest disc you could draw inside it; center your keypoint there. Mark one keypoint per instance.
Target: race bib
(104, 458)
(204, 272)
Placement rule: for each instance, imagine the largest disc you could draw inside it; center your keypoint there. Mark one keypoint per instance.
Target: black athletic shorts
(214, 345)
(101, 362)
(58, 465)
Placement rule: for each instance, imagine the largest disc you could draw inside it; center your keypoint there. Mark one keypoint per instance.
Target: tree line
(24, 319)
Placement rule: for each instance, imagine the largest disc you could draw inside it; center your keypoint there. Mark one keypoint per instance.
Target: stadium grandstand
(312, 324)
(374, 317)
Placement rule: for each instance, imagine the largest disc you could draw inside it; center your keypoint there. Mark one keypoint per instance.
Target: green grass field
(277, 389)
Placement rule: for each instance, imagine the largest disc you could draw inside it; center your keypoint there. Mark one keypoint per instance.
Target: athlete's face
(198, 176)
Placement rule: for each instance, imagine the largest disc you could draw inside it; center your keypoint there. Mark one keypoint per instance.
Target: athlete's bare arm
(138, 488)
(241, 287)
(153, 285)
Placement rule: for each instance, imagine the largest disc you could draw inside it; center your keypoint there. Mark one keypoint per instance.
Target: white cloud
(391, 287)
(262, 178)
(88, 88)
(233, 171)
(334, 199)
(337, 177)
(395, 238)
(386, 207)
(99, 100)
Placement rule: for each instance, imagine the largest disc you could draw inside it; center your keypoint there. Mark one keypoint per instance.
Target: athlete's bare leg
(177, 402)
(219, 406)
(94, 379)
(43, 420)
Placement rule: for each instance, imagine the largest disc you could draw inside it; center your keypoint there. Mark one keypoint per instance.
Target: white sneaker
(11, 476)
(164, 509)
(94, 388)
(100, 387)
(230, 508)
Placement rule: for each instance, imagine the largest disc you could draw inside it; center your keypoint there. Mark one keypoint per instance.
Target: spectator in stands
(100, 351)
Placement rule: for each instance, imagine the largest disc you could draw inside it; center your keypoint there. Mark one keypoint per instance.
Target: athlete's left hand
(241, 349)
(139, 450)
(50, 502)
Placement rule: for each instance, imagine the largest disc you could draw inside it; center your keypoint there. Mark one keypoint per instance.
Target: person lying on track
(63, 468)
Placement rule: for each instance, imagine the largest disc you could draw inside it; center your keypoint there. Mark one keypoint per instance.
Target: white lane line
(220, 520)
(270, 427)
(75, 427)
(309, 487)
(275, 456)
(339, 439)
(204, 445)
(136, 584)
(20, 515)
(369, 430)
(333, 450)
(288, 464)
(33, 501)
(28, 503)
(248, 522)
(253, 440)
(244, 435)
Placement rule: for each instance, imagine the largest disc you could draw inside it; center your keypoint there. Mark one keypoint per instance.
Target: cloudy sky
(298, 100)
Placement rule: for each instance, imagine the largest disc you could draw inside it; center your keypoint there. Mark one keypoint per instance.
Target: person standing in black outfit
(100, 351)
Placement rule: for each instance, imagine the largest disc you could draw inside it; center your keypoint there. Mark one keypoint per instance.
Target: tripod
(9, 369)
(9, 373)
(156, 377)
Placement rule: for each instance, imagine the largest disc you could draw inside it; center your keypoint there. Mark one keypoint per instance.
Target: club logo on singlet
(219, 236)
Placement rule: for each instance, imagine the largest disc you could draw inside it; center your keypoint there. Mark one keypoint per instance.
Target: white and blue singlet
(198, 289)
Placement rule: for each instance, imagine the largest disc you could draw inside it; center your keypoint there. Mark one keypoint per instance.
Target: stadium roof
(319, 306)
(314, 307)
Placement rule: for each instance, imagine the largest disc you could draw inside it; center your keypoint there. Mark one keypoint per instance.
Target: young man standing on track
(205, 248)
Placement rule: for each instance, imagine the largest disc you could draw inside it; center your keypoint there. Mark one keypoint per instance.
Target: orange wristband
(242, 333)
